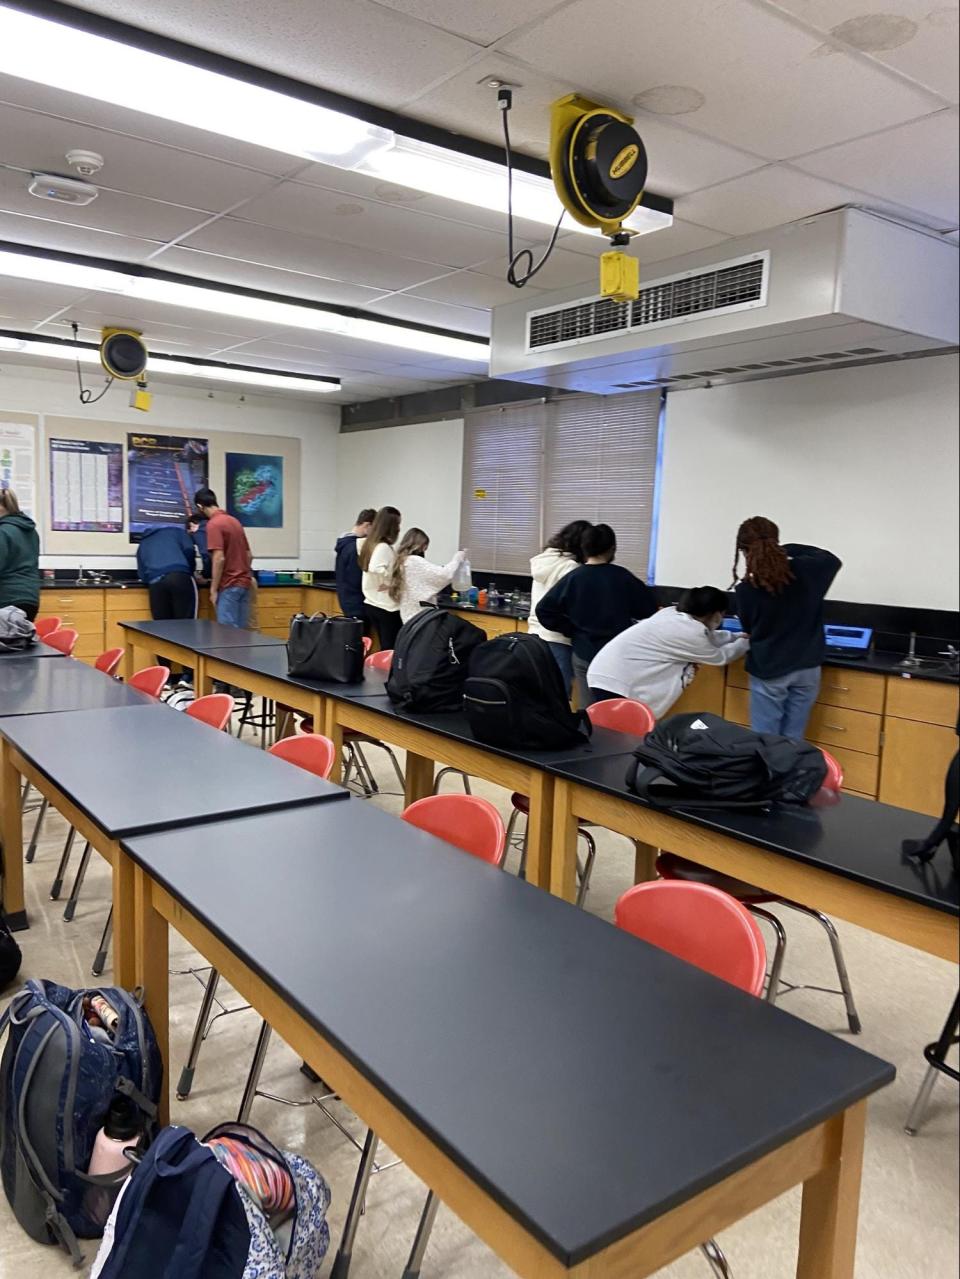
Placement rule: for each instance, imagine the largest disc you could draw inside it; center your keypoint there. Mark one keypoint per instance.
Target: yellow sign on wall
(479, 493)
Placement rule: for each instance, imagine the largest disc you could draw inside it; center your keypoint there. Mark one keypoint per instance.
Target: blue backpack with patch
(59, 1072)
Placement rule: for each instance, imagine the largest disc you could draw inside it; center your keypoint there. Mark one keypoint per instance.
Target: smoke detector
(52, 186)
(86, 163)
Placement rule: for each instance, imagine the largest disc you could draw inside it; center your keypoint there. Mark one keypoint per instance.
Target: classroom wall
(53, 392)
(416, 468)
(863, 461)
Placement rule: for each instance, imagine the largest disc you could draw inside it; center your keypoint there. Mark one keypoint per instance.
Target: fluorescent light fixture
(44, 51)
(63, 57)
(160, 364)
(245, 306)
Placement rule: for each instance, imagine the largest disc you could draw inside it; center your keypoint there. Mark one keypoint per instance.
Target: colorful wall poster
(255, 489)
(86, 486)
(163, 472)
(18, 463)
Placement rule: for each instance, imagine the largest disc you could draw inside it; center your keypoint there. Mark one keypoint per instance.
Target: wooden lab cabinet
(82, 610)
(920, 740)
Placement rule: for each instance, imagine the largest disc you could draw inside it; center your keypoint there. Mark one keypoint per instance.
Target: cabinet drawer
(915, 760)
(119, 602)
(706, 693)
(281, 596)
(737, 676)
(56, 603)
(319, 601)
(923, 700)
(829, 725)
(90, 644)
(861, 772)
(858, 690)
(267, 617)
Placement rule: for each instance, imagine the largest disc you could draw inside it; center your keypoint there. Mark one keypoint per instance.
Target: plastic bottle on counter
(473, 595)
(493, 597)
(482, 598)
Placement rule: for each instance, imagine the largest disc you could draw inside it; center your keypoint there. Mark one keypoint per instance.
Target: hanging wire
(87, 397)
(516, 275)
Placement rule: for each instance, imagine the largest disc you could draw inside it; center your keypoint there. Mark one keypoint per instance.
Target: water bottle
(121, 1129)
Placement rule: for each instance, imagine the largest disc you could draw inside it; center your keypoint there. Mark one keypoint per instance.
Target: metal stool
(936, 1055)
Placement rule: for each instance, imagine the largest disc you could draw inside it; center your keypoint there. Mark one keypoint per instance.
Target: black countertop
(586, 1080)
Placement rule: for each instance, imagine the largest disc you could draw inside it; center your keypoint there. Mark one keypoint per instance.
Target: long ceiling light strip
(51, 269)
(64, 57)
(158, 364)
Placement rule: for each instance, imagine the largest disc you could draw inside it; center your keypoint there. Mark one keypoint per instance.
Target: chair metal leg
(364, 773)
(32, 849)
(253, 1078)
(341, 1265)
(396, 765)
(776, 967)
(443, 772)
(422, 1237)
(100, 958)
(826, 924)
(919, 1107)
(57, 886)
(199, 1034)
(71, 906)
(716, 1259)
(587, 865)
(936, 1055)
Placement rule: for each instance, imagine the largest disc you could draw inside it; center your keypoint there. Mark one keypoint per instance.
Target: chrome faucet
(911, 658)
(951, 653)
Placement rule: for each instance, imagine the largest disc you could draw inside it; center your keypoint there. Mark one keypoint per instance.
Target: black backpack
(699, 760)
(430, 661)
(514, 696)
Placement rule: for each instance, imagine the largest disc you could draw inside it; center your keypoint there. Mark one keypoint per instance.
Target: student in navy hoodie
(349, 576)
(166, 563)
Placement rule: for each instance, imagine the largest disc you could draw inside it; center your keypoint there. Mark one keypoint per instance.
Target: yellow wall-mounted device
(141, 398)
(123, 353)
(599, 167)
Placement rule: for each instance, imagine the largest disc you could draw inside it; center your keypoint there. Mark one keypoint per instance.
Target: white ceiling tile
(24, 303)
(40, 143)
(483, 23)
(254, 243)
(681, 237)
(253, 275)
(915, 165)
(472, 288)
(126, 214)
(153, 317)
(562, 268)
(356, 47)
(291, 345)
(679, 160)
(764, 84)
(916, 37)
(770, 197)
(463, 319)
(313, 211)
(47, 233)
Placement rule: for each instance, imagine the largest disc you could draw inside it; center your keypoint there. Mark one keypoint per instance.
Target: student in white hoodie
(414, 581)
(375, 555)
(561, 555)
(655, 660)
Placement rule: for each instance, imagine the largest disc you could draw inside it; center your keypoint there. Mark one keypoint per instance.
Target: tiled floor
(909, 1217)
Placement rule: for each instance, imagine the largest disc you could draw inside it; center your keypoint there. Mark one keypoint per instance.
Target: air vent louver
(731, 286)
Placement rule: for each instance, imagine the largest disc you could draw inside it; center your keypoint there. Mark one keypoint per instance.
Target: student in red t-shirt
(231, 579)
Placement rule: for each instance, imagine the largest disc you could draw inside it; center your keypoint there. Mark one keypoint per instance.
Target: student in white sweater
(414, 581)
(561, 555)
(375, 555)
(655, 660)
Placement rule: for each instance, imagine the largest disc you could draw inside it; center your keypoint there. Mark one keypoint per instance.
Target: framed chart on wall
(163, 473)
(254, 491)
(86, 486)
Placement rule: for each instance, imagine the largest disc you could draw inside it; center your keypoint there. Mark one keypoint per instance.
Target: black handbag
(326, 648)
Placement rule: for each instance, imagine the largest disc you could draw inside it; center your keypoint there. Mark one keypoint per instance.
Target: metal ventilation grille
(733, 286)
(830, 357)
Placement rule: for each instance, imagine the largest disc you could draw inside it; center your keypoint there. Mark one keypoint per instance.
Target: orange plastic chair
(380, 661)
(623, 715)
(63, 640)
(109, 662)
(45, 625)
(310, 751)
(467, 821)
(214, 709)
(702, 925)
(152, 680)
(834, 778)
(367, 644)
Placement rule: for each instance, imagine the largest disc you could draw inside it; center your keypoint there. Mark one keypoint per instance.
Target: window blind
(502, 484)
(600, 464)
(530, 469)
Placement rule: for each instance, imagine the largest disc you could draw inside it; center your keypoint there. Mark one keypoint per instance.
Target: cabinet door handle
(835, 728)
(838, 688)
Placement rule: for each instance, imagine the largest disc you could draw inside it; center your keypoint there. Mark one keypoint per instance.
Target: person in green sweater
(19, 557)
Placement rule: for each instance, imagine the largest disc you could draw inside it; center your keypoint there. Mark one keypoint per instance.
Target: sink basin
(928, 664)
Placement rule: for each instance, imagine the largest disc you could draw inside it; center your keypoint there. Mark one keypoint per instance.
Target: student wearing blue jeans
(230, 577)
(780, 605)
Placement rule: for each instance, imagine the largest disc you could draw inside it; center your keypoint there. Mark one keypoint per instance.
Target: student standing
(780, 603)
(414, 581)
(375, 555)
(561, 555)
(595, 602)
(347, 566)
(655, 660)
(19, 557)
(230, 560)
(166, 564)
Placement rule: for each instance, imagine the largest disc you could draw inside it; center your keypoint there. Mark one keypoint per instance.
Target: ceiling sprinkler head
(86, 163)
